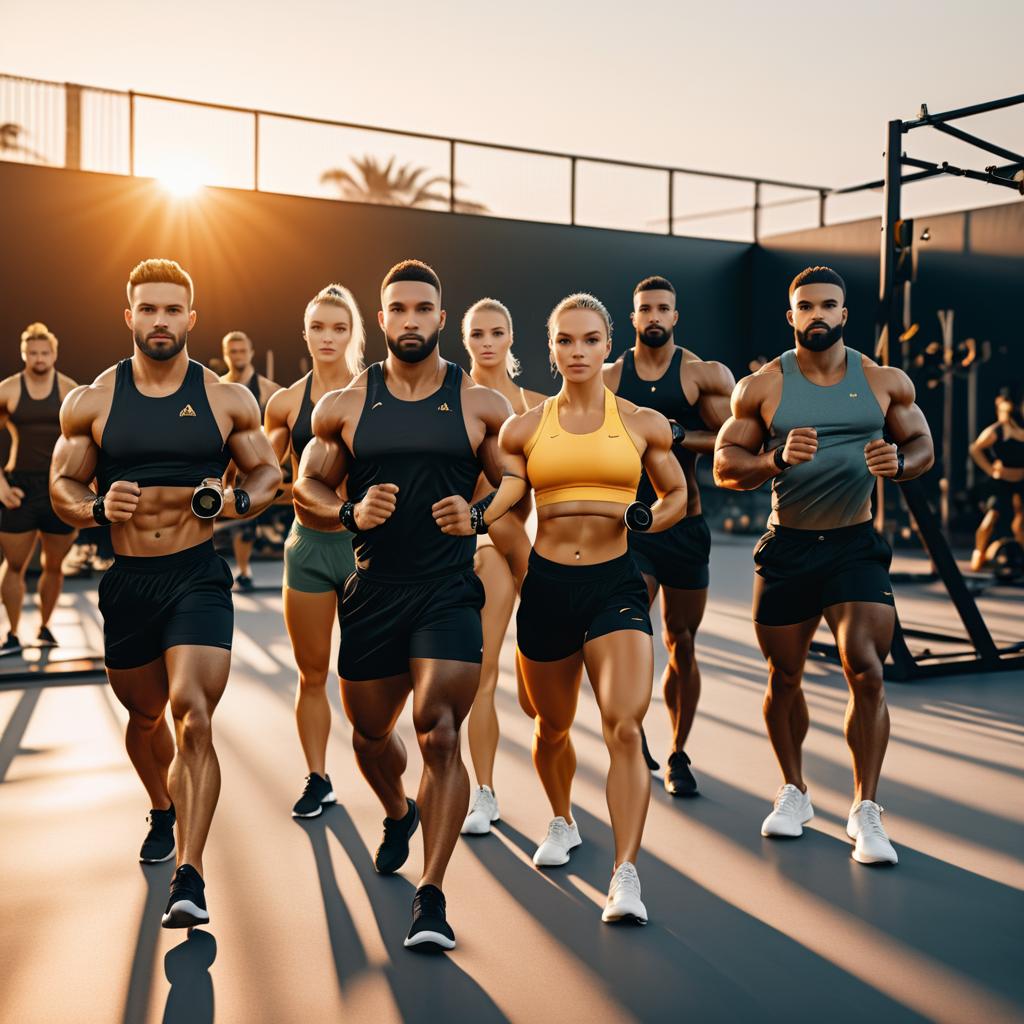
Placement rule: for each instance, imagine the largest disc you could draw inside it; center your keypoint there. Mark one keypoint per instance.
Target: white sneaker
(865, 827)
(791, 812)
(482, 811)
(624, 901)
(561, 838)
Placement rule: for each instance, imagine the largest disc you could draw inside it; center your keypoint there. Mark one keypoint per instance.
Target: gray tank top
(831, 490)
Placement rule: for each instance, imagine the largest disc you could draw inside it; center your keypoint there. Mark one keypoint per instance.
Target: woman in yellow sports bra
(583, 602)
(501, 554)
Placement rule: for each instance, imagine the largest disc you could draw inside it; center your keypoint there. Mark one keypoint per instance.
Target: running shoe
(12, 645)
(394, 846)
(791, 812)
(482, 812)
(45, 638)
(318, 791)
(158, 845)
(187, 905)
(624, 903)
(244, 584)
(865, 827)
(679, 780)
(429, 925)
(652, 765)
(560, 840)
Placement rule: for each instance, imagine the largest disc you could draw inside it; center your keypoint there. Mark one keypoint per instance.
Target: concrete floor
(742, 928)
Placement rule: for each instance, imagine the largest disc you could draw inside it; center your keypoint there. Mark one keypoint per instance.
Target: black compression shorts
(677, 557)
(801, 572)
(561, 607)
(383, 625)
(1002, 499)
(35, 511)
(151, 604)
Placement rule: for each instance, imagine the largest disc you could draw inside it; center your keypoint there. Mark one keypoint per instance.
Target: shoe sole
(157, 860)
(429, 939)
(412, 831)
(486, 831)
(556, 863)
(184, 914)
(635, 919)
(788, 835)
(874, 860)
(682, 793)
(329, 799)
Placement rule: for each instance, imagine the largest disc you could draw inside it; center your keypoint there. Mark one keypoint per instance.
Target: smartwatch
(242, 501)
(98, 511)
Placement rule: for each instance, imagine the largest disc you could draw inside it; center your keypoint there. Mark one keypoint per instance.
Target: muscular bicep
(661, 465)
(716, 395)
(744, 427)
(250, 448)
(904, 420)
(74, 458)
(985, 439)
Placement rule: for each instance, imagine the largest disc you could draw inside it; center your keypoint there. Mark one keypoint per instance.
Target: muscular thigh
(553, 688)
(309, 619)
(373, 705)
(620, 667)
(18, 547)
(863, 632)
(442, 690)
(682, 610)
(786, 647)
(142, 690)
(196, 677)
(55, 547)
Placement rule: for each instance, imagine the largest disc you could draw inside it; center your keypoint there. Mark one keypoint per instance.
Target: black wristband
(476, 513)
(678, 432)
(899, 466)
(347, 516)
(99, 513)
(779, 458)
(242, 501)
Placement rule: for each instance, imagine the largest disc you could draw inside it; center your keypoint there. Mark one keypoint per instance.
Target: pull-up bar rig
(897, 271)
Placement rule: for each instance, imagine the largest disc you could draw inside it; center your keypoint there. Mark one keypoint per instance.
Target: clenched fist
(377, 506)
(801, 445)
(881, 458)
(10, 497)
(452, 516)
(120, 502)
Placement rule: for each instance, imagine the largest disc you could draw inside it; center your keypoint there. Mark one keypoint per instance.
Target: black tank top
(667, 396)
(302, 428)
(36, 423)
(160, 442)
(1008, 450)
(423, 448)
(253, 384)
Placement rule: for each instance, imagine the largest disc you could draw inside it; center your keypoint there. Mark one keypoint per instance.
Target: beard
(654, 337)
(408, 354)
(819, 342)
(161, 355)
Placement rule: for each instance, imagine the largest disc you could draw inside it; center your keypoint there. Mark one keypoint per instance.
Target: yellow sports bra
(603, 465)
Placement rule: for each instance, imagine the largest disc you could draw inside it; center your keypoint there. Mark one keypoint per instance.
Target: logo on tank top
(187, 411)
(853, 394)
(443, 407)
(376, 405)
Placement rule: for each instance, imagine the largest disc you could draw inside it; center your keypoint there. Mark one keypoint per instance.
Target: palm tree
(10, 142)
(391, 186)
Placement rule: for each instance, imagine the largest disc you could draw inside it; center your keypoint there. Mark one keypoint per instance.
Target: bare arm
(275, 426)
(740, 464)
(906, 425)
(979, 448)
(252, 455)
(716, 385)
(663, 469)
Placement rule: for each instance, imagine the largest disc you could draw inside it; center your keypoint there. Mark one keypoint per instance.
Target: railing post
(572, 191)
(757, 211)
(671, 202)
(72, 126)
(822, 196)
(451, 175)
(256, 164)
(131, 133)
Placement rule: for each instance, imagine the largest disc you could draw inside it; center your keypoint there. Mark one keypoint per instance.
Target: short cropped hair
(38, 332)
(579, 300)
(817, 275)
(157, 271)
(655, 283)
(338, 295)
(411, 270)
(512, 366)
(236, 336)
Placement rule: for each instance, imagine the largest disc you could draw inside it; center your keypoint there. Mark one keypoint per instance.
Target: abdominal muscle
(163, 523)
(581, 532)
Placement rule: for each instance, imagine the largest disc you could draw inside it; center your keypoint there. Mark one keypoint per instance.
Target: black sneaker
(12, 645)
(318, 792)
(679, 780)
(159, 844)
(394, 847)
(187, 905)
(652, 765)
(46, 638)
(429, 925)
(244, 583)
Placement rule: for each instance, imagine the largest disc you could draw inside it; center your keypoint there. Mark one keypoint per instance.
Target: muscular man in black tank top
(694, 395)
(30, 409)
(149, 430)
(238, 352)
(410, 435)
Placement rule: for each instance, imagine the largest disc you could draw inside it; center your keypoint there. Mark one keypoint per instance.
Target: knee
(679, 644)
(550, 733)
(142, 722)
(369, 746)
(312, 679)
(194, 729)
(784, 677)
(621, 733)
(440, 744)
(864, 675)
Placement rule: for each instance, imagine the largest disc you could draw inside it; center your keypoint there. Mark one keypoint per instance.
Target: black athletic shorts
(383, 625)
(677, 557)
(35, 511)
(1003, 492)
(153, 603)
(561, 607)
(801, 572)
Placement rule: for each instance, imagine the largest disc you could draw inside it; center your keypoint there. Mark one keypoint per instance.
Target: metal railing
(135, 133)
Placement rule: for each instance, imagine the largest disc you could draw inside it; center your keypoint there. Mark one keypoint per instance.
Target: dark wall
(257, 258)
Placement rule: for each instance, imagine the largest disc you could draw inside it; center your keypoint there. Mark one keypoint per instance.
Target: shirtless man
(149, 430)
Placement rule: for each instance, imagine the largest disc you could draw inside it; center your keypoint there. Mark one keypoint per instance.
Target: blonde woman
(501, 553)
(316, 562)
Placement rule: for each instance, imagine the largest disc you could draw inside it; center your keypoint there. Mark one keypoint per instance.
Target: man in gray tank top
(822, 422)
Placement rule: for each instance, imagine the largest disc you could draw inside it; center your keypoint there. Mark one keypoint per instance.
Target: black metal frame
(896, 271)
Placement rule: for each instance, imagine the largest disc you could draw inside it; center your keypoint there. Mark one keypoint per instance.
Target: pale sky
(786, 89)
